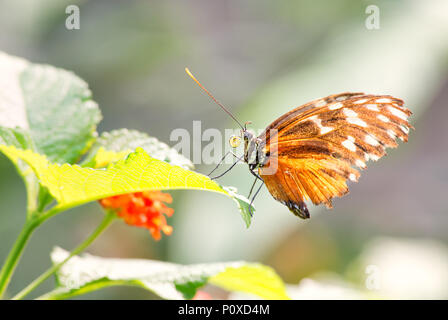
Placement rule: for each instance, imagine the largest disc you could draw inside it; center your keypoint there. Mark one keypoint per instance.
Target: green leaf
(22, 139)
(189, 288)
(53, 106)
(72, 185)
(124, 141)
(82, 274)
(243, 204)
(16, 137)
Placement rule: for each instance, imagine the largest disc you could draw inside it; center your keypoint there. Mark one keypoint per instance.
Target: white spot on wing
(325, 130)
(335, 106)
(391, 133)
(320, 103)
(318, 122)
(371, 140)
(404, 129)
(357, 121)
(383, 100)
(349, 145)
(397, 113)
(360, 164)
(360, 101)
(349, 113)
(366, 156)
(372, 107)
(352, 177)
(383, 118)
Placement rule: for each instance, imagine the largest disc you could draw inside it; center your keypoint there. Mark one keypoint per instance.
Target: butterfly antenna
(213, 98)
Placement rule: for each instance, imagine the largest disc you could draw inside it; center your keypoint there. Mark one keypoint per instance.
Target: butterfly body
(318, 146)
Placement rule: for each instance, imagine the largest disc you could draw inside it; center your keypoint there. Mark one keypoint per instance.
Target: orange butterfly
(315, 148)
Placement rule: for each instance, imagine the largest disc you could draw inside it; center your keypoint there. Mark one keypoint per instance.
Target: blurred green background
(261, 58)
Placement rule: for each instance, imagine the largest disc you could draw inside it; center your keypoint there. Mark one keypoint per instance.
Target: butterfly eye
(235, 141)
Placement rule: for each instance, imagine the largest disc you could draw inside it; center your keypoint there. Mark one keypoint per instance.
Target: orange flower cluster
(143, 209)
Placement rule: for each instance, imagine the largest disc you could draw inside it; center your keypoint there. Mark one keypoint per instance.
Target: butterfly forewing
(319, 145)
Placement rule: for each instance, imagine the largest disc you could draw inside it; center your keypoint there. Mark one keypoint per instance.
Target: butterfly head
(235, 141)
(245, 134)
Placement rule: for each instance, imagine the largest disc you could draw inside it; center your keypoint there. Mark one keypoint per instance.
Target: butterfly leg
(219, 163)
(231, 167)
(255, 174)
(252, 188)
(257, 177)
(252, 201)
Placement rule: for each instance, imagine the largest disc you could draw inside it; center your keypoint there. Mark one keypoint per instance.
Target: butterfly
(319, 146)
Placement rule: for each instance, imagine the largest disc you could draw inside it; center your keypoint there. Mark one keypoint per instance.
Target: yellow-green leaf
(72, 185)
(103, 157)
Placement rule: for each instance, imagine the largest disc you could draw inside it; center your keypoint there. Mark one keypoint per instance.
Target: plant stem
(108, 218)
(15, 254)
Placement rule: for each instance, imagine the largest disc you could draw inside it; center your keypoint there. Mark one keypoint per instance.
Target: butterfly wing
(317, 146)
